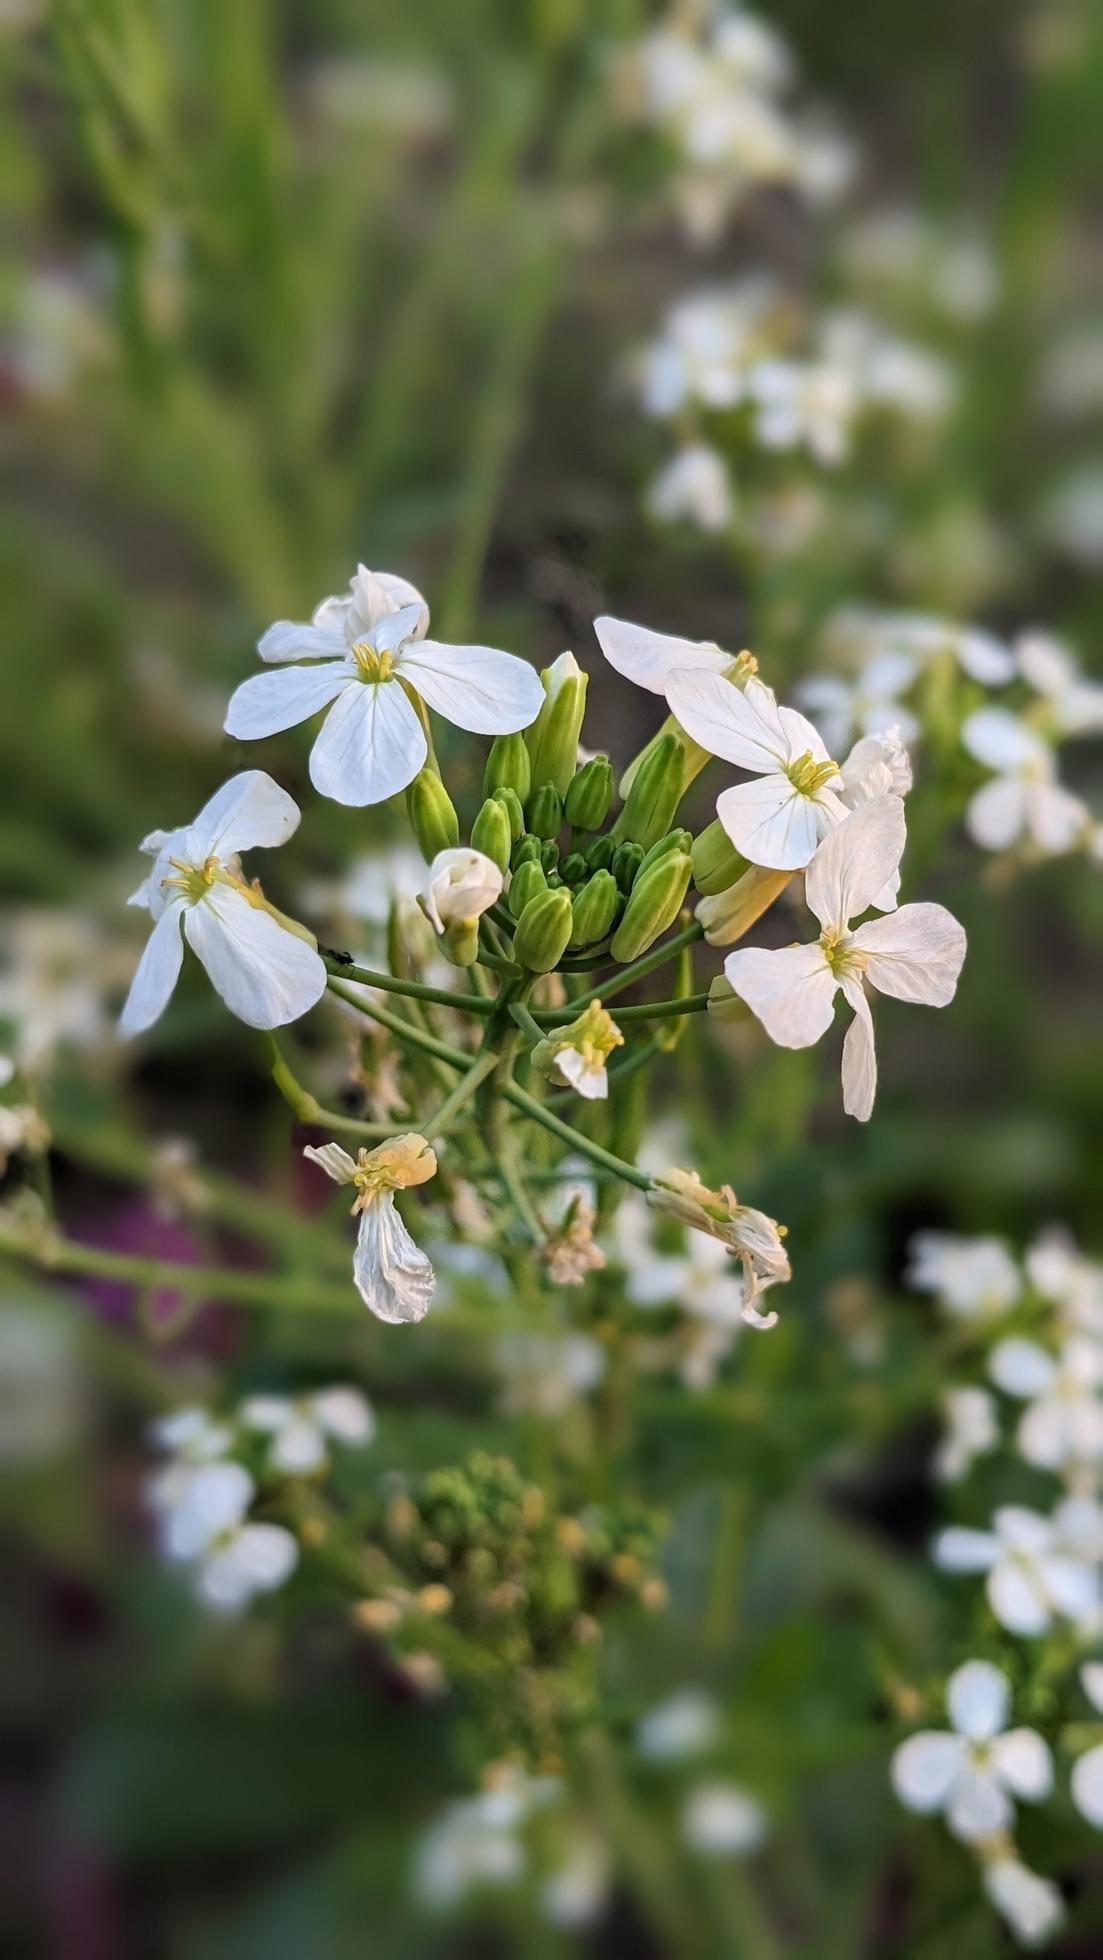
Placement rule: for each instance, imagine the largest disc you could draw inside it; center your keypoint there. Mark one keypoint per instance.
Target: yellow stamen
(807, 775)
(374, 665)
(194, 880)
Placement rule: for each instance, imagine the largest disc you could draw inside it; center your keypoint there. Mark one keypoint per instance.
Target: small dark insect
(331, 953)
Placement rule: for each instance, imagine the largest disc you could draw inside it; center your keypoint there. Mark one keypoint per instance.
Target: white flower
(1087, 1771)
(925, 638)
(363, 652)
(300, 1427)
(393, 1276)
(577, 1053)
(463, 884)
(266, 974)
(778, 819)
(914, 954)
(547, 1374)
(1063, 1425)
(1025, 798)
(868, 704)
(972, 1774)
(1033, 1578)
(750, 1235)
(1074, 704)
(686, 1724)
(575, 1892)
(1061, 1273)
(971, 1431)
(813, 403)
(207, 1527)
(722, 1820)
(477, 1840)
(707, 342)
(1032, 1906)
(971, 1278)
(694, 487)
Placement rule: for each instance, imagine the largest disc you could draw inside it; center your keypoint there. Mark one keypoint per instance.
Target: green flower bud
(544, 931)
(553, 738)
(716, 862)
(490, 832)
(511, 804)
(655, 794)
(508, 766)
(526, 848)
(460, 943)
(627, 859)
(599, 854)
(654, 904)
(675, 840)
(555, 881)
(595, 909)
(528, 880)
(432, 815)
(575, 869)
(549, 855)
(589, 794)
(544, 811)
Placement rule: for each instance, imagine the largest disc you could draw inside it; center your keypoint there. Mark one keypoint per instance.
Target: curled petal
(393, 1276)
(859, 1055)
(335, 1161)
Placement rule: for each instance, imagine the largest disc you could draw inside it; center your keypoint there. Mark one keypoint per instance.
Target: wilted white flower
(686, 1724)
(973, 1278)
(973, 1773)
(749, 1235)
(301, 1427)
(206, 1526)
(1024, 799)
(393, 1276)
(362, 652)
(266, 973)
(971, 1431)
(1032, 1577)
(722, 1820)
(1032, 1906)
(1063, 1425)
(694, 487)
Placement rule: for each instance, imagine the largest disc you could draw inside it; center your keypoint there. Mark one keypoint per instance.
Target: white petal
(1022, 1530)
(1032, 1906)
(392, 1274)
(996, 815)
(157, 973)
(1016, 1600)
(978, 1805)
(1023, 1762)
(335, 1162)
(289, 640)
(741, 724)
(265, 1412)
(1056, 817)
(961, 1549)
(1087, 1786)
(266, 975)
(925, 1767)
(371, 597)
(299, 1445)
(1001, 741)
(855, 860)
(257, 1559)
(248, 811)
(984, 658)
(801, 735)
(344, 1413)
(371, 745)
(1021, 1367)
(859, 1055)
(404, 623)
(268, 703)
(477, 688)
(792, 990)
(977, 1699)
(1072, 1587)
(650, 658)
(1091, 1680)
(589, 1082)
(772, 824)
(215, 1498)
(914, 954)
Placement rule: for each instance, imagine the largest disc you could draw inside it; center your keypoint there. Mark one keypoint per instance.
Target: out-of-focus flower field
(682, 1583)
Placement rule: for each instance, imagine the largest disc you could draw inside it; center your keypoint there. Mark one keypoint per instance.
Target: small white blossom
(393, 1276)
(1032, 1578)
(721, 1820)
(973, 1773)
(301, 1427)
(867, 704)
(809, 404)
(1024, 799)
(207, 1527)
(861, 633)
(1074, 704)
(1063, 1426)
(686, 1724)
(1087, 1770)
(694, 487)
(971, 1431)
(973, 1278)
(463, 884)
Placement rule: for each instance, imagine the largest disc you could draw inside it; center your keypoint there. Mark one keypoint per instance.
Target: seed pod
(574, 868)
(526, 848)
(490, 832)
(599, 854)
(511, 804)
(589, 794)
(549, 855)
(595, 909)
(675, 840)
(508, 766)
(543, 931)
(716, 862)
(627, 859)
(432, 815)
(654, 904)
(527, 882)
(667, 1032)
(553, 738)
(544, 811)
(655, 794)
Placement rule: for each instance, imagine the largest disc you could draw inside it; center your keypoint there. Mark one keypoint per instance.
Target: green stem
(405, 1030)
(220, 1282)
(656, 1010)
(626, 977)
(480, 1068)
(530, 1028)
(413, 989)
(539, 1113)
(309, 1110)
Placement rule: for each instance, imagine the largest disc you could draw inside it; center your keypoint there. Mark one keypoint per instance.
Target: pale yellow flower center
(193, 880)
(374, 665)
(393, 1166)
(841, 956)
(807, 775)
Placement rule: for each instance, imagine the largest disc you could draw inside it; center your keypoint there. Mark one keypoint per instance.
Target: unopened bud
(653, 905)
(655, 794)
(490, 832)
(716, 862)
(528, 882)
(574, 869)
(728, 915)
(549, 856)
(627, 860)
(544, 811)
(526, 848)
(675, 840)
(553, 738)
(599, 854)
(544, 931)
(595, 909)
(432, 815)
(508, 766)
(511, 803)
(589, 794)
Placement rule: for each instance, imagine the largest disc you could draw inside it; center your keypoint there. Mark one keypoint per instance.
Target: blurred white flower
(1074, 704)
(1032, 1906)
(686, 1724)
(694, 487)
(1063, 1425)
(1087, 1770)
(1033, 1579)
(546, 1374)
(811, 404)
(705, 346)
(574, 1894)
(722, 1820)
(302, 1426)
(477, 1840)
(860, 632)
(1060, 1272)
(207, 1528)
(973, 1278)
(972, 1773)
(868, 704)
(393, 1276)
(971, 1431)
(57, 968)
(1072, 516)
(1024, 799)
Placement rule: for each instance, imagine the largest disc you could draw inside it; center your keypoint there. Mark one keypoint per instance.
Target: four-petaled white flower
(266, 974)
(301, 1426)
(972, 1772)
(463, 884)
(694, 487)
(971, 1278)
(867, 705)
(363, 655)
(1024, 799)
(914, 954)
(393, 1276)
(1087, 1770)
(779, 818)
(1063, 1426)
(208, 1527)
(1034, 1578)
(1074, 705)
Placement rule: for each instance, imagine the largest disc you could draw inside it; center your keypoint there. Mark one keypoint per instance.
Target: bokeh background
(291, 286)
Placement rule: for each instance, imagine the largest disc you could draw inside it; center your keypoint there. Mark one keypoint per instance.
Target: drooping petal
(772, 824)
(978, 1805)
(791, 990)
(477, 688)
(1087, 1786)
(996, 815)
(215, 1497)
(1001, 741)
(268, 703)
(855, 860)
(247, 812)
(859, 1054)
(344, 1413)
(914, 954)
(925, 1767)
(157, 973)
(1023, 1762)
(650, 658)
(371, 745)
(291, 639)
(266, 975)
(393, 1276)
(977, 1699)
(741, 724)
